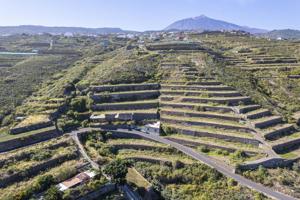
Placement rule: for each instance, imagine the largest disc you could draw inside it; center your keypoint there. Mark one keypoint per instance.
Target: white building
(152, 128)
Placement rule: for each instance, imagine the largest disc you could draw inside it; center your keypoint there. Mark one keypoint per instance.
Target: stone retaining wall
(196, 93)
(287, 146)
(277, 133)
(134, 96)
(206, 115)
(209, 124)
(32, 127)
(28, 140)
(131, 106)
(192, 87)
(268, 163)
(129, 87)
(26, 155)
(246, 109)
(196, 144)
(150, 160)
(267, 123)
(195, 107)
(5, 181)
(218, 136)
(140, 147)
(129, 117)
(231, 102)
(259, 115)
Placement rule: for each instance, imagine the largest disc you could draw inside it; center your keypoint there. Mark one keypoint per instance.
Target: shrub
(117, 170)
(204, 149)
(41, 155)
(53, 193)
(296, 167)
(80, 104)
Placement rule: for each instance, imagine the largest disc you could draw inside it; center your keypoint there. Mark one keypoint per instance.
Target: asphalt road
(222, 169)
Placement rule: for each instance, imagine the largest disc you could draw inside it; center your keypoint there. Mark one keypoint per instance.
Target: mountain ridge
(204, 23)
(38, 29)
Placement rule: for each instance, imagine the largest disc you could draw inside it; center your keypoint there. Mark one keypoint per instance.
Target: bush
(204, 149)
(80, 104)
(296, 167)
(41, 155)
(53, 193)
(117, 170)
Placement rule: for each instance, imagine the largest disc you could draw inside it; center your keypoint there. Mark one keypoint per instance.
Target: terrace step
(285, 145)
(198, 87)
(191, 77)
(247, 108)
(192, 143)
(195, 106)
(188, 70)
(199, 93)
(199, 83)
(224, 100)
(204, 122)
(125, 115)
(125, 87)
(258, 113)
(130, 105)
(211, 133)
(192, 73)
(278, 131)
(188, 113)
(267, 121)
(139, 147)
(125, 96)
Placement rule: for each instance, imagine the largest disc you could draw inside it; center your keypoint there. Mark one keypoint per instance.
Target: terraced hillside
(125, 102)
(270, 69)
(184, 85)
(201, 111)
(29, 171)
(160, 167)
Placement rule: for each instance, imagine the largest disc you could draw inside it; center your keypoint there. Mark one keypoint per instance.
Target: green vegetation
(117, 170)
(195, 181)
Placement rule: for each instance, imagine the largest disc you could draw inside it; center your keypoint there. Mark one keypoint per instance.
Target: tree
(117, 170)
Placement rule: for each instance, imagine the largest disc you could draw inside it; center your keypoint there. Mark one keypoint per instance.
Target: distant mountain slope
(205, 23)
(284, 34)
(30, 29)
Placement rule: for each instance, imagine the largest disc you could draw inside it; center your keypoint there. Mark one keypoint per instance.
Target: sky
(143, 15)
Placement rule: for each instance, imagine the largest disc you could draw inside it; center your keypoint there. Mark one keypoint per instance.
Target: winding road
(130, 194)
(216, 165)
(224, 169)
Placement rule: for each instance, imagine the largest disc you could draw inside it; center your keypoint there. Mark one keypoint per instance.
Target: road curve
(210, 162)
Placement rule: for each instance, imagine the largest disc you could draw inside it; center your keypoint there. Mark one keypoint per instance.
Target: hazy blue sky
(148, 14)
